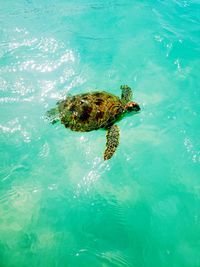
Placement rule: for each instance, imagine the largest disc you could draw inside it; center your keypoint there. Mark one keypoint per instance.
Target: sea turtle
(95, 110)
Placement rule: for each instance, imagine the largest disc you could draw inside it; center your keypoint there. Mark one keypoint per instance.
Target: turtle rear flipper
(112, 141)
(53, 115)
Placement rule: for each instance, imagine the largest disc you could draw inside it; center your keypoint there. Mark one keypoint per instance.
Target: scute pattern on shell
(90, 111)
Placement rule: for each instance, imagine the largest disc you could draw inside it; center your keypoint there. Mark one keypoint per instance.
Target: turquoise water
(61, 205)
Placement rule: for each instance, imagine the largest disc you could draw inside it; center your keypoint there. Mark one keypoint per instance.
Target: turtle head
(132, 107)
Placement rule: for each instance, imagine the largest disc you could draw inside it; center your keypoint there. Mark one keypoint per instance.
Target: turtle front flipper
(112, 141)
(127, 93)
(53, 115)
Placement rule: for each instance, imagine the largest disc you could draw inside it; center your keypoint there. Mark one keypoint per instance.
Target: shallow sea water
(61, 205)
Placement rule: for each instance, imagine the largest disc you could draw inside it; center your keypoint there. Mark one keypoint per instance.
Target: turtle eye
(130, 108)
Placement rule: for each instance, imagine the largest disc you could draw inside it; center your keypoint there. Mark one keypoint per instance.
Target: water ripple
(192, 150)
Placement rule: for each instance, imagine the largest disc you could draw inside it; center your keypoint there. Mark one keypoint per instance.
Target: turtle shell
(90, 111)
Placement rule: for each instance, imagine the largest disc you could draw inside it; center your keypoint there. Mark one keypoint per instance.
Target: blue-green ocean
(61, 204)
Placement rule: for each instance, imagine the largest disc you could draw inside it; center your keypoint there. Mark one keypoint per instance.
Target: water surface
(61, 205)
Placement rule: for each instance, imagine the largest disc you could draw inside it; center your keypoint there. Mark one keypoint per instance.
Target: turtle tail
(53, 115)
